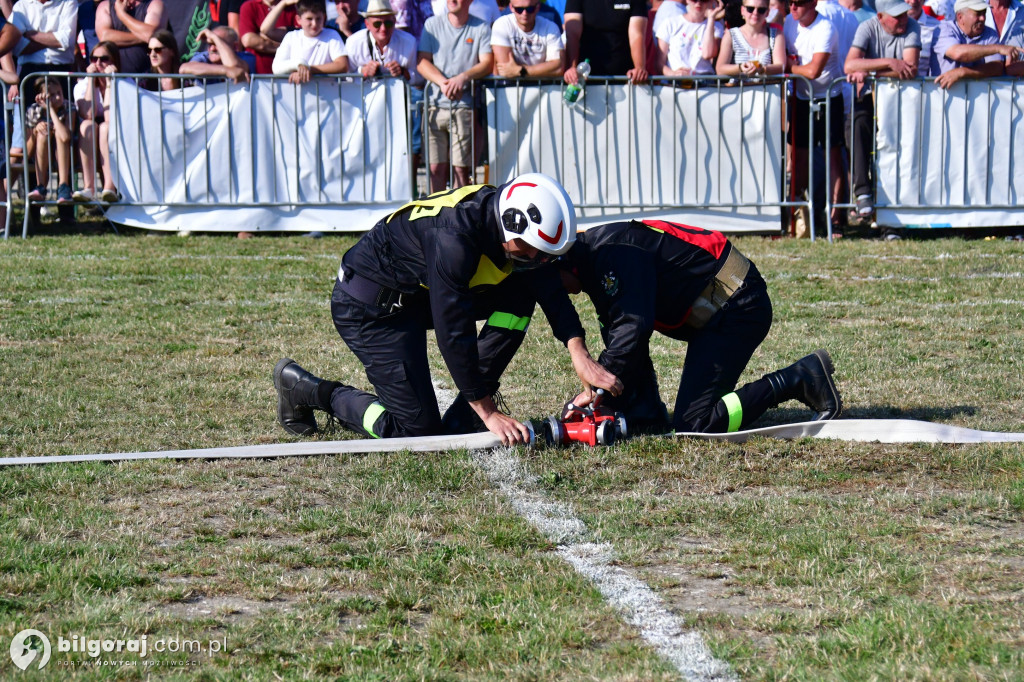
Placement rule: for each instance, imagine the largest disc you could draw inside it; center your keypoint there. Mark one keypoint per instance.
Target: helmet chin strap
(520, 262)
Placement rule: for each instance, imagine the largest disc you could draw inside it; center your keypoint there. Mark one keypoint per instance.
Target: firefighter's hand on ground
(510, 431)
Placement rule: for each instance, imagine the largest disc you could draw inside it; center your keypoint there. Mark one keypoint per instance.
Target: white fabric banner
(331, 155)
(623, 150)
(948, 158)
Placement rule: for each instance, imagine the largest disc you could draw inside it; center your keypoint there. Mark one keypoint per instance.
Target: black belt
(369, 292)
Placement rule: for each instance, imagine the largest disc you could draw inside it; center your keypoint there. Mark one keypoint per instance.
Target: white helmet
(535, 208)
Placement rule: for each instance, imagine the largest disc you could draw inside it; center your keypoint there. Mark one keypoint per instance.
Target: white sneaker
(109, 196)
(864, 206)
(83, 195)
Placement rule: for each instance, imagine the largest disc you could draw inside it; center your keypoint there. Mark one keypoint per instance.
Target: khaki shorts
(450, 130)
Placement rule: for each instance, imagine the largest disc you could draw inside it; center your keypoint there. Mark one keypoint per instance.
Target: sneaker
(38, 193)
(83, 195)
(64, 193)
(109, 196)
(864, 205)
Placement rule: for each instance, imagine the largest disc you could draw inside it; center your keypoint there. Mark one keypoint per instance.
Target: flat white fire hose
(869, 431)
(862, 430)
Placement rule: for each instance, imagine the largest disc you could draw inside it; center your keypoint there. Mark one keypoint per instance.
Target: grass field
(795, 560)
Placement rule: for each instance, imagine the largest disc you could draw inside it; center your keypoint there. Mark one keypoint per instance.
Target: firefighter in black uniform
(444, 262)
(693, 285)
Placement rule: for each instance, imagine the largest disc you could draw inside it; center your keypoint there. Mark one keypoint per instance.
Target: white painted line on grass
(630, 596)
(639, 605)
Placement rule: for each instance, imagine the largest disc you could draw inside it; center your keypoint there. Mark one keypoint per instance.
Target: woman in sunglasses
(92, 98)
(754, 48)
(164, 59)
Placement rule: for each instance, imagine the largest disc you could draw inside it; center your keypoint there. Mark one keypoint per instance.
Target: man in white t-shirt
(812, 44)
(845, 22)
(525, 44)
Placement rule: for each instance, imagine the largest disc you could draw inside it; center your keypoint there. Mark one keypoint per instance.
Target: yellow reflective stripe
(432, 205)
(732, 403)
(487, 273)
(508, 321)
(370, 417)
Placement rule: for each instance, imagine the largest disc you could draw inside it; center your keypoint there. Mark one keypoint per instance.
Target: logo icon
(610, 283)
(23, 652)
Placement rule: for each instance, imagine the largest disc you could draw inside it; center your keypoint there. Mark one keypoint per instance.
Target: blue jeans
(416, 116)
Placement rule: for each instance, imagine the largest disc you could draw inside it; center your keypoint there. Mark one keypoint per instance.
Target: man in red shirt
(250, 17)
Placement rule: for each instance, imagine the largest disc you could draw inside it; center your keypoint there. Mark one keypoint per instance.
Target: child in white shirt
(311, 50)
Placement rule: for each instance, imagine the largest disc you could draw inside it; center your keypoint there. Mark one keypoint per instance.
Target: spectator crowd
(443, 47)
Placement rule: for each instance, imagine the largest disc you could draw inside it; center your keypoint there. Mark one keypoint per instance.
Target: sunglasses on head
(387, 23)
(529, 10)
(101, 58)
(156, 50)
(756, 10)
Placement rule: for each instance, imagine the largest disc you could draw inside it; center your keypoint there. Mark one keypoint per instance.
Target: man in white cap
(380, 49)
(967, 48)
(888, 44)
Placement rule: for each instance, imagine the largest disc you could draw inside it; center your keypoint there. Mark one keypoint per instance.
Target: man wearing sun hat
(888, 44)
(380, 49)
(967, 48)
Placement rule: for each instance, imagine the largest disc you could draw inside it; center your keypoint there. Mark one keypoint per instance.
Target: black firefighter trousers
(393, 349)
(716, 355)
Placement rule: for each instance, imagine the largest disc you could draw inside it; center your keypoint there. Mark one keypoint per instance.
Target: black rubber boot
(298, 392)
(461, 418)
(809, 380)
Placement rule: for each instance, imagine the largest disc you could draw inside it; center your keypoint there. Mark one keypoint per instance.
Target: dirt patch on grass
(711, 588)
(228, 608)
(689, 593)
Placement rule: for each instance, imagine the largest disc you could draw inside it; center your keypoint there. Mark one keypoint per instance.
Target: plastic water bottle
(574, 90)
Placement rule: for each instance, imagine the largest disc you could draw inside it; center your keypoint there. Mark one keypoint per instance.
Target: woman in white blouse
(689, 42)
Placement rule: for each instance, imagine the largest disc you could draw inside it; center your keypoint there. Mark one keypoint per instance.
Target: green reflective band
(373, 412)
(732, 403)
(509, 321)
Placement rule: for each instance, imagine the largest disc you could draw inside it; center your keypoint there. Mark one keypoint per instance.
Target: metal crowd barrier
(941, 158)
(326, 91)
(561, 142)
(710, 142)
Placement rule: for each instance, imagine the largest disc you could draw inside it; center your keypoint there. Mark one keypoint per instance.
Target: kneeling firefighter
(690, 284)
(442, 263)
